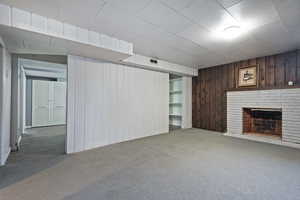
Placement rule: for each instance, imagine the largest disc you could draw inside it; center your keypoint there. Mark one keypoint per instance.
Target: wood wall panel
(280, 70)
(291, 67)
(270, 71)
(262, 71)
(209, 88)
(110, 103)
(298, 68)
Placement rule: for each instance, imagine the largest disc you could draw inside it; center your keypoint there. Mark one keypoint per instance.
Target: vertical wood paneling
(110, 103)
(194, 100)
(203, 91)
(212, 83)
(231, 76)
(298, 68)
(280, 70)
(198, 100)
(212, 97)
(224, 102)
(262, 71)
(270, 71)
(291, 67)
(218, 98)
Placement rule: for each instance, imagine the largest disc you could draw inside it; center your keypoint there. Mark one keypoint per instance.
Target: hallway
(42, 146)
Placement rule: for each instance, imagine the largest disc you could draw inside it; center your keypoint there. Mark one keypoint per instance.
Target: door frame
(18, 96)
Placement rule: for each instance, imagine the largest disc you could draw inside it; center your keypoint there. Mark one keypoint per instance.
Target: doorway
(40, 91)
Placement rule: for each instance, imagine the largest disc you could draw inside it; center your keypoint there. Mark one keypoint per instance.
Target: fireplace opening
(266, 121)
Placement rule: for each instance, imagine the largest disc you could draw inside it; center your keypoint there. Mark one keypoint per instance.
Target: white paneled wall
(186, 102)
(5, 104)
(110, 103)
(286, 99)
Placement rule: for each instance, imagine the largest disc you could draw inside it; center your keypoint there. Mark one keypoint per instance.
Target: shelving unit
(175, 104)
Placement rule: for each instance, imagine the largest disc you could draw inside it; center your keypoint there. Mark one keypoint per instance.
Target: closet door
(40, 103)
(58, 111)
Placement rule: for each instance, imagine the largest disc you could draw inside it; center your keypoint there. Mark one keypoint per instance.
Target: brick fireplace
(262, 114)
(266, 121)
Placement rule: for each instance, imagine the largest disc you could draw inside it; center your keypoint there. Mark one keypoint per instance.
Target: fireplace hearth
(267, 121)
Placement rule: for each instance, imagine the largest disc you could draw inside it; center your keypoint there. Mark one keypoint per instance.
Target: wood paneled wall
(110, 103)
(211, 84)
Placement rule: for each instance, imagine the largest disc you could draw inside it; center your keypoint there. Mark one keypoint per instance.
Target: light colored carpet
(184, 165)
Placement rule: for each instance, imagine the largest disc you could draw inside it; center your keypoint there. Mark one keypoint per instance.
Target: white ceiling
(185, 32)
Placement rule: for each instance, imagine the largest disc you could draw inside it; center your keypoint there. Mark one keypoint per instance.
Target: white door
(48, 103)
(40, 103)
(59, 103)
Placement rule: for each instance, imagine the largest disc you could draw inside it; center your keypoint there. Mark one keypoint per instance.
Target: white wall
(16, 132)
(5, 104)
(186, 102)
(110, 103)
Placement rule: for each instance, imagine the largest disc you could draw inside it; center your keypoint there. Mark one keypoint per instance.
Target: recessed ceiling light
(231, 32)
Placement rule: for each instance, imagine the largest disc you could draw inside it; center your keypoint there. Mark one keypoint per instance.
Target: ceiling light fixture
(231, 32)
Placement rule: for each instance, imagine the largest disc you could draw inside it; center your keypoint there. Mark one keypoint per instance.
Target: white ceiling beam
(163, 66)
(24, 28)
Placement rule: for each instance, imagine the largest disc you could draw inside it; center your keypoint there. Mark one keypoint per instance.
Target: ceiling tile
(228, 3)
(289, 11)
(73, 13)
(164, 17)
(209, 14)
(179, 31)
(178, 4)
(252, 48)
(160, 37)
(254, 13)
(197, 34)
(131, 7)
(41, 7)
(275, 35)
(164, 52)
(207, 39)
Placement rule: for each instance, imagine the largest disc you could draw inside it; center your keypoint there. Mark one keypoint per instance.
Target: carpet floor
(183, 165)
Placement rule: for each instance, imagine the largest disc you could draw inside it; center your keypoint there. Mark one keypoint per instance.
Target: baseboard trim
(264, 139)
(4, 159)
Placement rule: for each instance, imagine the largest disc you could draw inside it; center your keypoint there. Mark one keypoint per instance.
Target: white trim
(162, 66)
(4, 159)
(44, 74)
(269, 140)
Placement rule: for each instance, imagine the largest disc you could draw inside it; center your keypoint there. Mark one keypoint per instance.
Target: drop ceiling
(184, 31)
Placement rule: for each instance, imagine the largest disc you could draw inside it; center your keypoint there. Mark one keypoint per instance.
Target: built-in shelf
(175, 115)
(175, 104)
(176, 92)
